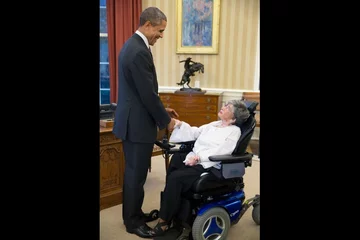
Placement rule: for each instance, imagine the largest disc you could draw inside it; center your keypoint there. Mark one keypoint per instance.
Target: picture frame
(197, 26)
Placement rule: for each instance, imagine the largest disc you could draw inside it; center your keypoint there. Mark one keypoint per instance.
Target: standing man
(138, 114)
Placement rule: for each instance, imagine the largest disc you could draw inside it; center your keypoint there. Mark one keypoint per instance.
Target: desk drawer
(198, 119)
(195, 109)
(192, 108)
(189, 99)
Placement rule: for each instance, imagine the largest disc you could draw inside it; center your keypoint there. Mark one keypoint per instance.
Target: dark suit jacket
(139, 109)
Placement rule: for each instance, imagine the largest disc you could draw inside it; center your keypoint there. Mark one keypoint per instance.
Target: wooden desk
(112, 166)
(195, 109)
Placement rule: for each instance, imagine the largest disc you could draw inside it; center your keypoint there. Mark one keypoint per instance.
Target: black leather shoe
(144, 231)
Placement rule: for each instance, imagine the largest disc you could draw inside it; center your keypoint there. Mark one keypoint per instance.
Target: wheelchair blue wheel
(256, 214)
(213, 224)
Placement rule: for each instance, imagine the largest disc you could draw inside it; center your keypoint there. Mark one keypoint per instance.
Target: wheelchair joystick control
(165, 140)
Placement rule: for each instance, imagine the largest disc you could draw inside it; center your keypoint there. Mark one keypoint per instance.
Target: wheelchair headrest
(248, 125)
(247, 129)
(251, 106)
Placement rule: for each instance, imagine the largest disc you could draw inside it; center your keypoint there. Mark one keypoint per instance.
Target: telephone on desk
(107, 111)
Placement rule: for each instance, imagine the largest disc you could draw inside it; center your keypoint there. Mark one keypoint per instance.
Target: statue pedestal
(190, 91)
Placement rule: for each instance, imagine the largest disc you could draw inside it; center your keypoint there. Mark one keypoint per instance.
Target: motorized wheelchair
(216, 200)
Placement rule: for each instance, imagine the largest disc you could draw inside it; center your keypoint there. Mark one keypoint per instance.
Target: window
(104, 56)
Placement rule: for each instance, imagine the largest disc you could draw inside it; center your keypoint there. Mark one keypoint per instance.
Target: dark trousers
(179, 179)
(137, 162)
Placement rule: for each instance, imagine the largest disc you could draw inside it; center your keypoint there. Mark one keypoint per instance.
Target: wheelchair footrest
(170, 234)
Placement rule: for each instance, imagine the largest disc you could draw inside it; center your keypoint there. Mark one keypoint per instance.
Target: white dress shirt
(143, 37)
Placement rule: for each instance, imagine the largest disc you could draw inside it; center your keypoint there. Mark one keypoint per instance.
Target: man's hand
(172, 112)
(171, 124)
(177, 123)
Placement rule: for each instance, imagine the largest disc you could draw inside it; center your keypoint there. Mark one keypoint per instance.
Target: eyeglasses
(229, 107)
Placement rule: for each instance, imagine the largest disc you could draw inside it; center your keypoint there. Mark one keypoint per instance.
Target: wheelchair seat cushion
(211, 183)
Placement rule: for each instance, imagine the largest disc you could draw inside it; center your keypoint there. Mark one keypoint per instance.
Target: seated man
(216, 138)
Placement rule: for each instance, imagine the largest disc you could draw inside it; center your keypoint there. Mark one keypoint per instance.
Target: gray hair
(240, 111)
(152, 14)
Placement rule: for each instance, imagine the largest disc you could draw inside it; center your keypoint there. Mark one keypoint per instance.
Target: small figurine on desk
(190, 68)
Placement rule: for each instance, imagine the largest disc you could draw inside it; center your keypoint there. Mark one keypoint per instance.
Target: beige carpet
(111, 223)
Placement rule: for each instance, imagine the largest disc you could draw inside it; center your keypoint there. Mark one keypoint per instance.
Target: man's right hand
(171, 125)
(177, 123)
(172, 112)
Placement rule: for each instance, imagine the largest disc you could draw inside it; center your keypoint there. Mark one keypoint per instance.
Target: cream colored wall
(235, 65)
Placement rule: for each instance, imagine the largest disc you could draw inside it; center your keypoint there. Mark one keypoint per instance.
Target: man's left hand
(172, 112)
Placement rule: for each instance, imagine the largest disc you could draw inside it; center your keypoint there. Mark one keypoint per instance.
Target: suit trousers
(137, 162)
(179, 180)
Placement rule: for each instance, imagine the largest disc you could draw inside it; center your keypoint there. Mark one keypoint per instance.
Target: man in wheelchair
(207, 174)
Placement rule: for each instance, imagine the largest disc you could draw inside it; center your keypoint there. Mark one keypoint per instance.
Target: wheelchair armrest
(164, 146)
(186, 147)
(169, 148)
(186, 143)
(231, 158)
(172, 151)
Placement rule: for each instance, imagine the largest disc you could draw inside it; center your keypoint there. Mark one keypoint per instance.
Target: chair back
(247, 129)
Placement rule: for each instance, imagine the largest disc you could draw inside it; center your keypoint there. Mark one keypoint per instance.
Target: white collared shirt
(143, 37)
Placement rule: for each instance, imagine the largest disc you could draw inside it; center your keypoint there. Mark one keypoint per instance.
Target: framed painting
(198, 26)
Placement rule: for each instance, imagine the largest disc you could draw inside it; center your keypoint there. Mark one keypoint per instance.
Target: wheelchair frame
(233, 202)
(212, 215)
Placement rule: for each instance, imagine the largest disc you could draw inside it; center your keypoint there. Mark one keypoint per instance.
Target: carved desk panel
(112, 167)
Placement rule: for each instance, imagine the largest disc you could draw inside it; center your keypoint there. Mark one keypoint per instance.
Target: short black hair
(152, 14)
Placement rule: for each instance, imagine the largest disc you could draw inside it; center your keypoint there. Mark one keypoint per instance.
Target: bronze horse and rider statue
(190, 68)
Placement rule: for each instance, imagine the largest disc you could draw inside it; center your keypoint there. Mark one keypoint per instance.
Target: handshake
(173, 122)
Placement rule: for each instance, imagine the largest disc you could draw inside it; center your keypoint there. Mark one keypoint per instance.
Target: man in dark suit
(138, 115)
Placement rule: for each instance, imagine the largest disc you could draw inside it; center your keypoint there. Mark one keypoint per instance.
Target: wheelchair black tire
(256, 214)
(200, 222)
